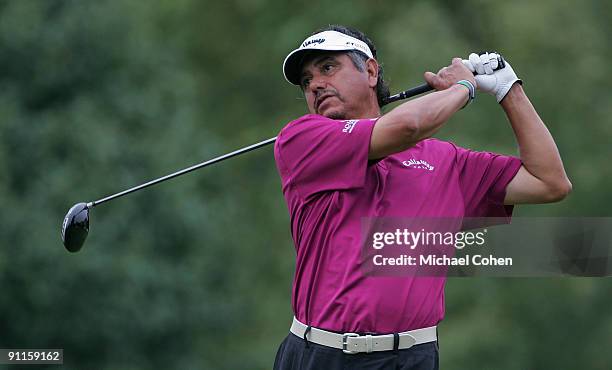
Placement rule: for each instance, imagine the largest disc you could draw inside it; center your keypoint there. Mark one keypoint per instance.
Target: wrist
(471, 89)
(514, 96)
(473, 81)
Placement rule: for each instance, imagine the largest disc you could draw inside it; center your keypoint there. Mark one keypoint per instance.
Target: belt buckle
(345, 336)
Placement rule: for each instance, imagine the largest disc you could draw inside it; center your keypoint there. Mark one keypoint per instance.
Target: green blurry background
(98, 96)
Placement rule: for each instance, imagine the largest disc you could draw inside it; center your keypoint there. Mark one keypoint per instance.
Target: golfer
(345, 161)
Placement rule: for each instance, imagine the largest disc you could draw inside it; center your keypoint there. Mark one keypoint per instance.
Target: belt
(352, 343)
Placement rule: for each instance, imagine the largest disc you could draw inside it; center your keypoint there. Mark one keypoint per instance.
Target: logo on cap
(313, 41)
(356, 45)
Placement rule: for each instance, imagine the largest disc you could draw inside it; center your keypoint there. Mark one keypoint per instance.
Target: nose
(317, 83)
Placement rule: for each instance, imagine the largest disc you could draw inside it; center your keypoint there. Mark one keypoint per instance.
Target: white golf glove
(495, 82)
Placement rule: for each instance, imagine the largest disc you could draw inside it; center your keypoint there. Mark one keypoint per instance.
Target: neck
(369, 110)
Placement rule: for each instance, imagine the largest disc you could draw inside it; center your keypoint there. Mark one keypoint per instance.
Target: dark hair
(359, 58)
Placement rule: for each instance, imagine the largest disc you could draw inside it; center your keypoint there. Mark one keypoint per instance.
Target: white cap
(326, 40)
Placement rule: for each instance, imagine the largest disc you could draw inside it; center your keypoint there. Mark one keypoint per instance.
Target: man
(344, 161)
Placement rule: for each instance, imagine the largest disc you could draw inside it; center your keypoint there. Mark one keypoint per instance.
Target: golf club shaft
(183, 171)
(400, 96)
(501, 63)
(418, 90)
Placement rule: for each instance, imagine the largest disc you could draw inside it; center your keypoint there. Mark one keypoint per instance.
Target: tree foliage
(98, 96)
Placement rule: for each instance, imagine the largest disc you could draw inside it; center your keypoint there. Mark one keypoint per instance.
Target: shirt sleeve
(316, 154)
(483, 177)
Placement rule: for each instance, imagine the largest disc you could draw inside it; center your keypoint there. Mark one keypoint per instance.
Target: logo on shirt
(418, 163)
(349, 125)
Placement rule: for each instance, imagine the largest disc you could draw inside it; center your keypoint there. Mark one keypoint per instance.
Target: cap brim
(322, 41)
(292, 66)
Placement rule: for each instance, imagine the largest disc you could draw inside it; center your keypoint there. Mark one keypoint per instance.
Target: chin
(335, 114)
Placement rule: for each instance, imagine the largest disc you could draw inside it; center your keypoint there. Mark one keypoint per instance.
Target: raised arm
(542, 177)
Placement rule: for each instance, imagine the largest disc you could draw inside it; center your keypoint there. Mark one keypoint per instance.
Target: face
(336, 89)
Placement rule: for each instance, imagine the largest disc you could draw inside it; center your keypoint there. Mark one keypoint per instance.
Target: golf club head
(75, 227)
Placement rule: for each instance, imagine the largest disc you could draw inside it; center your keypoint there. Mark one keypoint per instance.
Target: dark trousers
(296, 354)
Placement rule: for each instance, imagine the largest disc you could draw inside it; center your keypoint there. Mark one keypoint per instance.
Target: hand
(495, 82)
(448, 76)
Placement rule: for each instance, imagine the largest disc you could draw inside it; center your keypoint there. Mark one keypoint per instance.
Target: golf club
(75, 227)
(76, 223)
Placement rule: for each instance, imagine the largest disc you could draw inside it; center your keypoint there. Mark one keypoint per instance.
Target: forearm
(415, 120)
(537, 147)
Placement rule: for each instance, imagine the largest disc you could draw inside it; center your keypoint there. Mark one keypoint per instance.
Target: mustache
(322, 94)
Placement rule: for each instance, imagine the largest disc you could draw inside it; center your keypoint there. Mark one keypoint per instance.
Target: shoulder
(304, 122)
(294, 130)
(312, 127)
(315, 122)
(297, 126)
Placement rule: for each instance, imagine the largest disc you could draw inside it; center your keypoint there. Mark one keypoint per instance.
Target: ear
(372, 70)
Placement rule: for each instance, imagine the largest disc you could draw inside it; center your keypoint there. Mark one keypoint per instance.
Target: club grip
(501, 63)
(418, 90)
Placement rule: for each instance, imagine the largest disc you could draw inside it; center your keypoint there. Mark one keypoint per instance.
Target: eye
(327, 67)
(305, 82)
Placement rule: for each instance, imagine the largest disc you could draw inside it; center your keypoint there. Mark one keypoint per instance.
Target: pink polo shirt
(330, 185)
